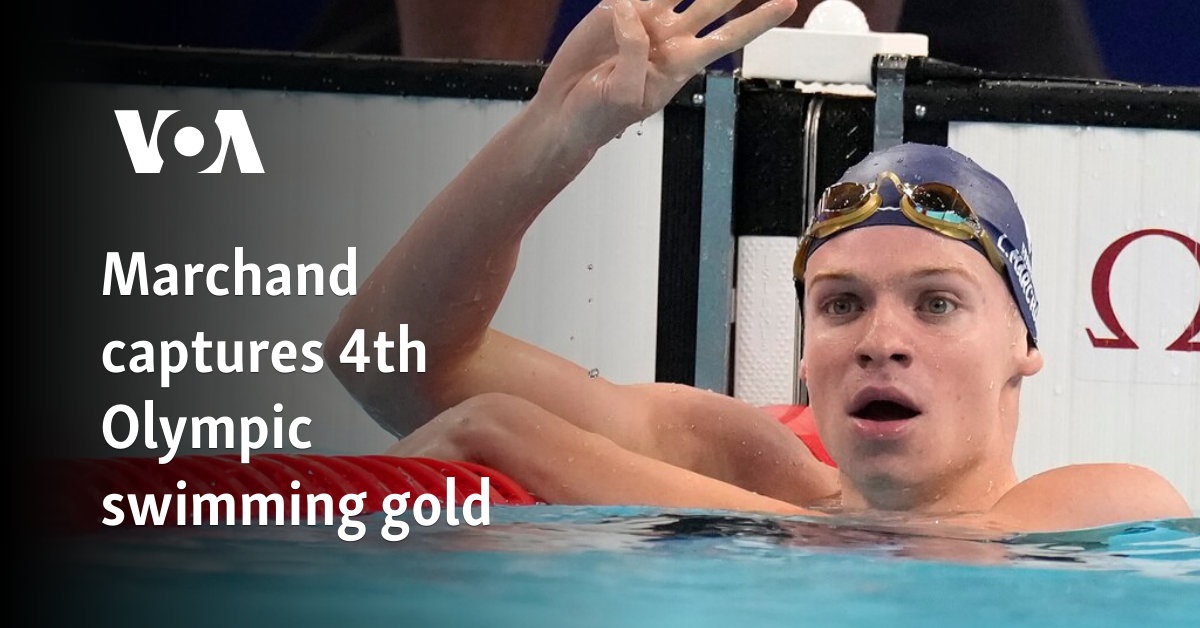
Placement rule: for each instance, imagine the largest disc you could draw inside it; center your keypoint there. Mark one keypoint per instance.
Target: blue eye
(840, 306)
(939, 305)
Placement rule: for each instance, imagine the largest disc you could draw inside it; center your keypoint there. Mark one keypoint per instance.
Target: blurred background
(1145, 42)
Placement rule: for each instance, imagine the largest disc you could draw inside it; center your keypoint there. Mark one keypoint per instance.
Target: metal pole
(714, 295)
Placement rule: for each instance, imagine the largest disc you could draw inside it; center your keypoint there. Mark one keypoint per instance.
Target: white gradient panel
(1081, 189)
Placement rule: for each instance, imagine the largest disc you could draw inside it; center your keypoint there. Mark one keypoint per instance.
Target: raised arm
(445, 278)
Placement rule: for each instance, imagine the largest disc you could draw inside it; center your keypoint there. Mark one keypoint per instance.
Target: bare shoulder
(1088, 495)
(731, 440)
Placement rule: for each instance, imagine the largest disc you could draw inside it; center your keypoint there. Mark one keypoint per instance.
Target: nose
(886, 339)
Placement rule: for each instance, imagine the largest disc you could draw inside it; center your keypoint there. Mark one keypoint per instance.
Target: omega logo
(1103, 299)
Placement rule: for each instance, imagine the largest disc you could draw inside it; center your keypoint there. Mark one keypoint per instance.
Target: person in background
(1053, 37)
(494, 30)
(1050, 38)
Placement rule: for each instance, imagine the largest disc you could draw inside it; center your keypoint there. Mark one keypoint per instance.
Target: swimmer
(919, 327)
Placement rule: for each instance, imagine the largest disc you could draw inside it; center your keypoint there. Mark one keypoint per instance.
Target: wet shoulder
(1086, 496)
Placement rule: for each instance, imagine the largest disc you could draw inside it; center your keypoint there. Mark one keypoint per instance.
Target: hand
(627, 58)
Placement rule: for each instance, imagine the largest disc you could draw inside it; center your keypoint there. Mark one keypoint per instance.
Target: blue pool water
(571, 566)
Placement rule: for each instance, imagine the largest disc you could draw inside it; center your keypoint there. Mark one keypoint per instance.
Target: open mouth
(883, 410)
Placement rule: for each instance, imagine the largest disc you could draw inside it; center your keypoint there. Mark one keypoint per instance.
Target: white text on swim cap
(1021, 265)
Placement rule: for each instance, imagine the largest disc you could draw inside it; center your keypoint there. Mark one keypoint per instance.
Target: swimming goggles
(935, 206)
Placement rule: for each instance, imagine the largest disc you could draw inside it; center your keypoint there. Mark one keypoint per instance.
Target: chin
(887, 470)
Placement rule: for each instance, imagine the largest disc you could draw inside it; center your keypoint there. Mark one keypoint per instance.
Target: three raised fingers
(736, 33)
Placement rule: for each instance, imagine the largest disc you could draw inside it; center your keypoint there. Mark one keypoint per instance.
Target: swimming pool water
(572, 566)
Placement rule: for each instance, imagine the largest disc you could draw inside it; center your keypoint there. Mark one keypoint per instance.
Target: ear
(1030, 363)
(803, 370)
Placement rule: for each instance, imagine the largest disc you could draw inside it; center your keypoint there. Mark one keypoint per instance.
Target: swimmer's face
(913, 355)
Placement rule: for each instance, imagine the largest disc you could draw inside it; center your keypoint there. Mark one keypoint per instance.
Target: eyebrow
(934, 271)
(947, 270)
(833, 276)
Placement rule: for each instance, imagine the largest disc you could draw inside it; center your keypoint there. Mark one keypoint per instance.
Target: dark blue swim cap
(983, 191)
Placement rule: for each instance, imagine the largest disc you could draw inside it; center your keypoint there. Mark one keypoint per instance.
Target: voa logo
(184, 142)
